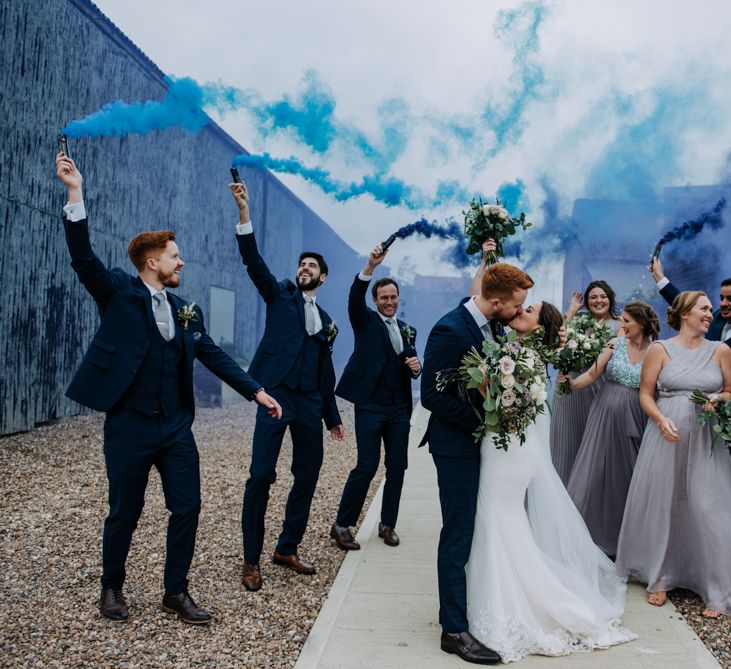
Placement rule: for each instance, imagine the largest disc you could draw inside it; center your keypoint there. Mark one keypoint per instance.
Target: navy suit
(145, 384)
(378, 382)
(297, 370)
(670, 292)
(456, 455)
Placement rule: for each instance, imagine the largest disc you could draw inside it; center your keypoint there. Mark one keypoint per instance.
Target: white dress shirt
(479, 317)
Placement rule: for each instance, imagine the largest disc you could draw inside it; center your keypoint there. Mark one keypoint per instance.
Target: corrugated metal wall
(62, 59)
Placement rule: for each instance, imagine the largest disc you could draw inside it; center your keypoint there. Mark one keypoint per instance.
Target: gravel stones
(51, 518)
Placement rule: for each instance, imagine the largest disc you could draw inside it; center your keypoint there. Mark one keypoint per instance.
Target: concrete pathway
(382, 609)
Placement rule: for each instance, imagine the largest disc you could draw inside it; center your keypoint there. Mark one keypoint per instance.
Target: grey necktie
(487, 332)
(394, 335)
(309, 315)
(162, 317)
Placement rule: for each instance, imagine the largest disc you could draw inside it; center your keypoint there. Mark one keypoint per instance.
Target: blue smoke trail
(388, 190)
(713, 218)
(181, 107)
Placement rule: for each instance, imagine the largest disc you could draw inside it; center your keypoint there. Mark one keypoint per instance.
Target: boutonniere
(407, 332)
(331, 331)
(186, 313)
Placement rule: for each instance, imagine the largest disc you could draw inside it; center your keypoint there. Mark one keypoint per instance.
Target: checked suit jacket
(372, 343)
(127, 325)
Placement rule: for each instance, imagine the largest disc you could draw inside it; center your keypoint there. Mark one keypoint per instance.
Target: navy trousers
(133, 444)
(302, 413)
(374, 422)
(458, 480)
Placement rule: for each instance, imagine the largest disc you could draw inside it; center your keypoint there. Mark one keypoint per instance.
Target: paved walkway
(382, 608)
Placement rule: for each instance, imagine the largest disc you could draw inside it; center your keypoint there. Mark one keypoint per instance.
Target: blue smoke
(713, 218)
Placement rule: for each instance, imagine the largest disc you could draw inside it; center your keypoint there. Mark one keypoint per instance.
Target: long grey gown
(603, 469)
(569, 414)
(676, 531)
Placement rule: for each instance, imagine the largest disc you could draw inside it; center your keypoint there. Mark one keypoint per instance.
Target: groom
(456, 454)
(139, 370)
(294, 360)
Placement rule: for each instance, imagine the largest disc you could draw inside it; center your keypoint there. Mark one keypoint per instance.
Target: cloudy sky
(595, 98)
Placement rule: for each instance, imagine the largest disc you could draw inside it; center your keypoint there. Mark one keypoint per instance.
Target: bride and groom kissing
(518, 572)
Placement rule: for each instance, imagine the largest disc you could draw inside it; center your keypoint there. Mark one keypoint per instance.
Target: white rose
(535, 391)
(529, 362)
(507, 365)
(508, 398)
(483, 369)
(587, 345)
(572, 344)
(542, 397)
(503, 214)
(507, 381)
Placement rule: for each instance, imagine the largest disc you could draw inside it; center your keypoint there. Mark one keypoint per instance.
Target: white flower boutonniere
(407, 332)
(186, 313)
(331, 331)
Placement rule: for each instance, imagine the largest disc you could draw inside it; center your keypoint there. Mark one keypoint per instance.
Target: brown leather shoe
(469, 649)
(388, 534)
(294, 563)
(187, 610)
(344, 539)
(112, 605)
(251, 578)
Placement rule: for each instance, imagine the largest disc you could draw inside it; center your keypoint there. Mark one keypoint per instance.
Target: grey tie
(487, 331)
(162, 317)
(309, 315)
(394, 335)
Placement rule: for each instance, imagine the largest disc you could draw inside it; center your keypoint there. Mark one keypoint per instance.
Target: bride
(536, 583)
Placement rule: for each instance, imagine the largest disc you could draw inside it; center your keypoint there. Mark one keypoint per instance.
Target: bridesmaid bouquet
(490, 221)
(511, 371)
(722, 416)
(585, 339)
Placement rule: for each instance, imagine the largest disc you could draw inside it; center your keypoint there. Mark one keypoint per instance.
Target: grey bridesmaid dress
(603, 469)
(569, 414)
(676, 531)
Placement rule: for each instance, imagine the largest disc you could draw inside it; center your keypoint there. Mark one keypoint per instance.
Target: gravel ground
(715, 634)
(51, 517)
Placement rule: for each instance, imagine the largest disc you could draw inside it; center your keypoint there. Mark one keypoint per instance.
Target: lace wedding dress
(536, 583)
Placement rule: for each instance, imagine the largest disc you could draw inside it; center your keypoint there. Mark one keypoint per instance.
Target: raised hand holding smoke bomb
(63, 145)
(69, 176)
(241, 195)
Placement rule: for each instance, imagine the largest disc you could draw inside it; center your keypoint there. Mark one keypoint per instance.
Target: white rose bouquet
(512, 373)
(490, 221)
(585, 339)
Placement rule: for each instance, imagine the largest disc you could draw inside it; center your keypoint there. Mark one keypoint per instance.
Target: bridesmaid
(569, 413)
(676, 531)
(603, 469)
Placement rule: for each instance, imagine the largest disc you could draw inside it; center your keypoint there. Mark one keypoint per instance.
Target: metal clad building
(61, 60)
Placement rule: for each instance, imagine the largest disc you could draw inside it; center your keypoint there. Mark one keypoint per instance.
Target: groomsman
(377, 379)
(139, 369)
(294, 361)
(720, 328)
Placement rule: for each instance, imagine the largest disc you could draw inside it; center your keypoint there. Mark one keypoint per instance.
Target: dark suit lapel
(143, 291)
(477, 334)
(300, 300)
(182, 336)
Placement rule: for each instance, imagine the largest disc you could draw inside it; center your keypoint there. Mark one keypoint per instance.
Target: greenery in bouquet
(513, 375)
(484, 221)
(721, 417)
(586, 338)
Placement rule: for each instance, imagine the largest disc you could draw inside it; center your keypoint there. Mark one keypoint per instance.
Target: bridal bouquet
(490, 221)
(585, 339)
(511, 370)
(722, 416)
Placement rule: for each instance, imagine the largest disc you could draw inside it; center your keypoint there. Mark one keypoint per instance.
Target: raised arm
(357, 309)
(99, 281)
(577, 301)
(488, 246)
(266, 283)
(596, 370)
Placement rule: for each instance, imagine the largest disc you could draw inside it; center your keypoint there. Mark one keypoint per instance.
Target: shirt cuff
(365, 277)
(662, 283)
(245, 228)
(75, 211)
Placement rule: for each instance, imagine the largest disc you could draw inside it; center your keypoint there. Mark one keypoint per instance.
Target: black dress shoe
(112, 605)
(344, 538)
(469, 648)
(388, 534)
(186, 608)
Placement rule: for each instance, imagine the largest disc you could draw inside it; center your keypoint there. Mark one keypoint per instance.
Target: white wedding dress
(536, 583)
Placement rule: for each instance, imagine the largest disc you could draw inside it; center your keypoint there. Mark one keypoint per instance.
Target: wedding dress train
(536, 583)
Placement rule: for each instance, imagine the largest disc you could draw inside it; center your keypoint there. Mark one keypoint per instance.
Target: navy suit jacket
(127, 325)
(285, 331)
(670, 292)
(372, 344)
(452, 419)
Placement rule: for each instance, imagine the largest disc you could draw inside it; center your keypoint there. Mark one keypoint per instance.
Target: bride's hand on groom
(271, 405)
